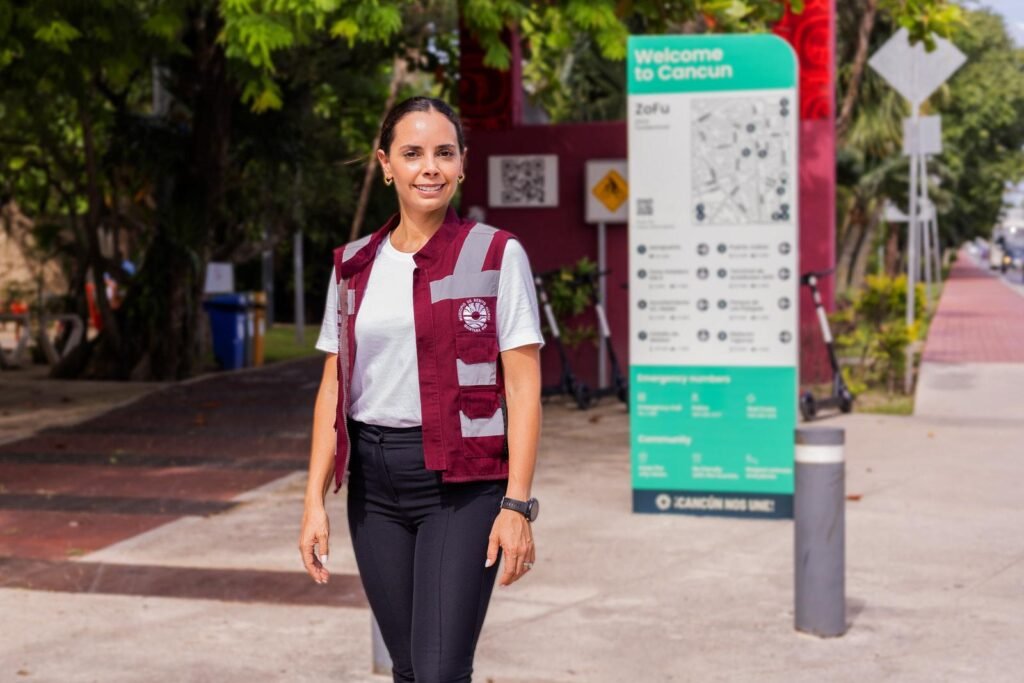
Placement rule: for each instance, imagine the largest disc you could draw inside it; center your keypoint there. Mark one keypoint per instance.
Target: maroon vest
(455, 297)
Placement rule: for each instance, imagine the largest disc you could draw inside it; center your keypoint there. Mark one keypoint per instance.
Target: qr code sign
(523, 181)
(645, 207)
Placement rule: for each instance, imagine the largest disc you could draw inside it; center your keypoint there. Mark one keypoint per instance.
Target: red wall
(554, 237)
(812, 35)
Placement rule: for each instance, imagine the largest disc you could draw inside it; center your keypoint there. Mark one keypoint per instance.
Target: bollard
(819, 503)
(381, 658)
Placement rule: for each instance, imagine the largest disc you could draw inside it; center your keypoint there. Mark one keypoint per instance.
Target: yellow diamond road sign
(611, 190)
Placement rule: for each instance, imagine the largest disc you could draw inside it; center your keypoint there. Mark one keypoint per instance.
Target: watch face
(534, 509)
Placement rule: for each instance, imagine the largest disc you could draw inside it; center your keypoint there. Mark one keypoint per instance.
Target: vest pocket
(476, 358)
(482, 421)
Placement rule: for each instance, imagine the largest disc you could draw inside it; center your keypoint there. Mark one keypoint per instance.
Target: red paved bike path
(979, 319)
(184, 451)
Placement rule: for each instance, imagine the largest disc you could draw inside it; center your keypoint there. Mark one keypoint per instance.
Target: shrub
(871, 327)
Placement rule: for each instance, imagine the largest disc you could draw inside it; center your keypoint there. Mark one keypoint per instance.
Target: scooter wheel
(581, 392)
(846, 402)
(807, 406)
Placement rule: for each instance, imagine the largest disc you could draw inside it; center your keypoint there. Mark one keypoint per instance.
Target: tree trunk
(862, 250)
(397, 77)
(854, 222)
(161, 314)
(860, 58)
(893, 255)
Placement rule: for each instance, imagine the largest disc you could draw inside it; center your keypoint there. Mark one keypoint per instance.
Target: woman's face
(425, 161)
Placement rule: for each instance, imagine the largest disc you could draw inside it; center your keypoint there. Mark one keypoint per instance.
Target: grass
(883, 403)
(877, 401)
(280, 344)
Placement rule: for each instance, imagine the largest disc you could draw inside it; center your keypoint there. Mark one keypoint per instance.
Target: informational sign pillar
(713, 273)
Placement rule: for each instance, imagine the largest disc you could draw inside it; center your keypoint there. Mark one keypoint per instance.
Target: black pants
(420, 546)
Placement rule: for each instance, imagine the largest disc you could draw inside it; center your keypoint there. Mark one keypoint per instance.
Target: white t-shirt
(385, 378)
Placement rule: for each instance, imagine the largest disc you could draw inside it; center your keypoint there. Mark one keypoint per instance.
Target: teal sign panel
(713, 273)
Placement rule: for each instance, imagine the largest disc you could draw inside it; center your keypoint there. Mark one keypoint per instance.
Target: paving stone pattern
(187, 450)
(979, 319)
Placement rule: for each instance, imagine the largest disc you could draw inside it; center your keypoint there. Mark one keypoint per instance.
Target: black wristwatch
(529, 508)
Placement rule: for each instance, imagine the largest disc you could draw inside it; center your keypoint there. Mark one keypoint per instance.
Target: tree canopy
(982, 136)
(172, 132)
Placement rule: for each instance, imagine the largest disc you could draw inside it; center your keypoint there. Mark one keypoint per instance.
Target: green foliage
(249, 105)
(871, 329)
(57, 34)
(982, 109)
(273, 106)
(871, 169)
(925, 19)
(575, 48)
(884, 298)
(571, 292)
(258, 32)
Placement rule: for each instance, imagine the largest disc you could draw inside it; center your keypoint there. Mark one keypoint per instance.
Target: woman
(430, 401)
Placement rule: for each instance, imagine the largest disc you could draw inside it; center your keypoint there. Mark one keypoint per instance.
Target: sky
(1012, 11)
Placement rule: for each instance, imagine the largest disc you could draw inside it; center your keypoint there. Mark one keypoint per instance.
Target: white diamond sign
(913, 71)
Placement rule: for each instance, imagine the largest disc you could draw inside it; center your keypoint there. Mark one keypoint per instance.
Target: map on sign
(741, 165)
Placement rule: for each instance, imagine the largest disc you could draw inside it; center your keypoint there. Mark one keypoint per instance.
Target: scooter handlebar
(805, 279)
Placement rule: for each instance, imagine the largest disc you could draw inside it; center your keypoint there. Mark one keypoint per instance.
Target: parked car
(1013, 256)
(1013, 248)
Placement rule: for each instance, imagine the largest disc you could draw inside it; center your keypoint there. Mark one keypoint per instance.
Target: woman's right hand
(315, 532)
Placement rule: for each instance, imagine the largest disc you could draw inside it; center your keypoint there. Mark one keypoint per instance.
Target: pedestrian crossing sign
(612, 190)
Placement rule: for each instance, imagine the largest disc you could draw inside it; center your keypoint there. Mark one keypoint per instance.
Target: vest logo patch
(475, 314)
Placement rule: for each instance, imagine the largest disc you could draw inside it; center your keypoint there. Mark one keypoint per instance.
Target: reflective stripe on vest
(468, 280)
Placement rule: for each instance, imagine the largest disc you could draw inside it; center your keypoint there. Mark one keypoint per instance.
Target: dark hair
(419, 103)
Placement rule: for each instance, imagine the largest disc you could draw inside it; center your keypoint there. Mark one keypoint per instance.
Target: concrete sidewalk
(30, 401)
(935, 569)
(973, 361)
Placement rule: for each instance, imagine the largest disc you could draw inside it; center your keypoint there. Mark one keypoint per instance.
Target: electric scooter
(620, 385)
(841, 397)
(568, 383)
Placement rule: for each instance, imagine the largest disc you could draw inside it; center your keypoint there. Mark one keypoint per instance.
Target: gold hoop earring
(388, 180)
(462, 176)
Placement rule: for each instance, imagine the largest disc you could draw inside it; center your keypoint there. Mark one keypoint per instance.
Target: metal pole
(268, 279)
(161, 99)
(912, 248)
(937, 247)
(300, 294)
(926, 237)
(819, 503)
(602, 262)
(382, 663)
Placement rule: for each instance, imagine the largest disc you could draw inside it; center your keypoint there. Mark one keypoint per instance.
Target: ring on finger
(528, 565)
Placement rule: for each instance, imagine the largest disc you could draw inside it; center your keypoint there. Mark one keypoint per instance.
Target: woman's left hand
(512, 533)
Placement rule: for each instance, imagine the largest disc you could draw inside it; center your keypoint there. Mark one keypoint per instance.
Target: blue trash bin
(229, 327)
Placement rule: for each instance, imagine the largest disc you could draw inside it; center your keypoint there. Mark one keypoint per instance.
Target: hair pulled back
(416, 104)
